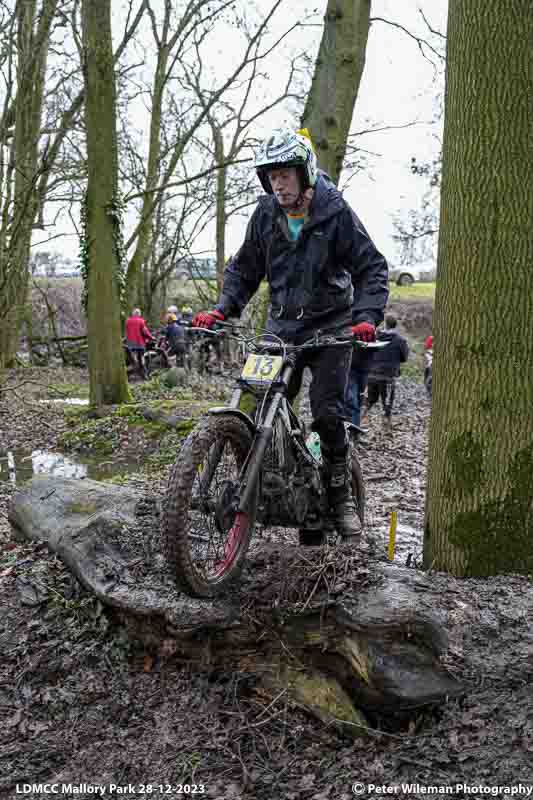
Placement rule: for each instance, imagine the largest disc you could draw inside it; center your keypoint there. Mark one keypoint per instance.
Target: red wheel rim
(233, 543)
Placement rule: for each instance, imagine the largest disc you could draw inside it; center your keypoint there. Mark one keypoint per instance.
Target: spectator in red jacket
(428, 344)
(137, 335)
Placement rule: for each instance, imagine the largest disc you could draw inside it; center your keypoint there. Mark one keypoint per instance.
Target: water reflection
(18, 466)
(71, 401)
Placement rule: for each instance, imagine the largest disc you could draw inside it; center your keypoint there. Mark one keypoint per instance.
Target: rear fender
(234, 412)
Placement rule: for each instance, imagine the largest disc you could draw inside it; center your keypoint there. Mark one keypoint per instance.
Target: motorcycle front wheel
(205, 537)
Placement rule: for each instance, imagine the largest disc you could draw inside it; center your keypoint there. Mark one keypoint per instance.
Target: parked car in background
(407, 274)
(196, 269)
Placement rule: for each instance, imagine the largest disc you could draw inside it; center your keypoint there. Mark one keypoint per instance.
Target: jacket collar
(327, 201)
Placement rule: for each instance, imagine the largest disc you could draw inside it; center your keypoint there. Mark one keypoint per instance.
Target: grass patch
(183, 293)
(418, 291)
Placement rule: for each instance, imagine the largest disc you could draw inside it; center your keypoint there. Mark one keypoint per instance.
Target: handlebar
(276, 344)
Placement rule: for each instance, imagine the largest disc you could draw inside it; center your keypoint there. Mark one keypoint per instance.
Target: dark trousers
(179, 350)
(137, 354)
(329, 370)
(384, 391)
(355, 389)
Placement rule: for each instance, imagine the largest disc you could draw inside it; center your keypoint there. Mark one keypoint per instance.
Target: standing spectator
(172, 310)
(175, 336)
(186, 320)
(385, 368)
(428, 365)
(187, 314)
(137, 335)
(356, 385)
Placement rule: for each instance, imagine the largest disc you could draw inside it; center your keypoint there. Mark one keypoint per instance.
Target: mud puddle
(18, 466)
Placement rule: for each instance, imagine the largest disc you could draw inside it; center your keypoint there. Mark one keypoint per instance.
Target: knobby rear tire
(177, 504)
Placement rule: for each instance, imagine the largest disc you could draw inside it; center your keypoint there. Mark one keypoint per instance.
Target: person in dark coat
(385, 368)
(324, 273)
(175, 335)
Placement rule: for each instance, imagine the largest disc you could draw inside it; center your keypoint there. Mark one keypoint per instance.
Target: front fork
(263, 437)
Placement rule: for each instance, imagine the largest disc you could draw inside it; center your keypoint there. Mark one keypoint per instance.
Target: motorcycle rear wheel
(205, 538)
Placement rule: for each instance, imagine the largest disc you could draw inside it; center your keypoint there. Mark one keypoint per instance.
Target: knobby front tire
(205, 541)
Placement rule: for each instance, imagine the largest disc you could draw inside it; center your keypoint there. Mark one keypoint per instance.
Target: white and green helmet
(285, 148)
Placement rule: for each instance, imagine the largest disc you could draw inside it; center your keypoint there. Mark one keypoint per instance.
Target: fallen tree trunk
(34, 340)
(338, 634)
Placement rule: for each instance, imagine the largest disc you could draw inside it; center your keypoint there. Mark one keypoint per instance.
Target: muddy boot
(343, 512)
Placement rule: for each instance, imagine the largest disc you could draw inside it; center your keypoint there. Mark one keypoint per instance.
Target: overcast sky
(398, 87)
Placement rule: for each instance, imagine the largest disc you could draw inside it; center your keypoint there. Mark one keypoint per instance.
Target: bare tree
(172, 37)
(23, 116)
(336, 78)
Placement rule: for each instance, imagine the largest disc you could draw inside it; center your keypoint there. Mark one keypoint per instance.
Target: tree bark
(107, 370)
(338, 70)
(479, 518)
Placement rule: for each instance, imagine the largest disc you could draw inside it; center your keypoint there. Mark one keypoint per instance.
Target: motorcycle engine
(285, 500)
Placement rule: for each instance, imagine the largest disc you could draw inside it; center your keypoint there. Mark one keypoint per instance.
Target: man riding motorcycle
(325, 274)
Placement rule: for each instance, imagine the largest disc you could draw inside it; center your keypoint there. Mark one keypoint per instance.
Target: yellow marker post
(392, 534)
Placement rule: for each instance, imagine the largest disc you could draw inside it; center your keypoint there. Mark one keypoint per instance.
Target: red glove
(206, 319)
(364, 332)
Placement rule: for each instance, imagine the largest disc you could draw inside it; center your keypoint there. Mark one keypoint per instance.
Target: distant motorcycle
(428, 371)
(157, 356)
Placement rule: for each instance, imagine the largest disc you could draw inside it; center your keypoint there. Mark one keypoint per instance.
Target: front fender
(234, 412)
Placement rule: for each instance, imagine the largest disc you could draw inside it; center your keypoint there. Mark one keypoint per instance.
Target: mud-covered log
(336, 631)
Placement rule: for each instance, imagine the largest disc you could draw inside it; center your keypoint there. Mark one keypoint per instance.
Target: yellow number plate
(261, 369)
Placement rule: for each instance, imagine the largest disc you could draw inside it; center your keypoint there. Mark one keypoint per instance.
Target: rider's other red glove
(364, 332)
(206, 319)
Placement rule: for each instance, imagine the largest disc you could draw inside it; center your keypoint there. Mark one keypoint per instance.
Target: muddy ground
(79, 704)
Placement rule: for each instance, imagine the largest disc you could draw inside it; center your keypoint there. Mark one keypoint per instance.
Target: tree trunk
(107, 370)
(479, 518)
(33, 39)
(338, 71)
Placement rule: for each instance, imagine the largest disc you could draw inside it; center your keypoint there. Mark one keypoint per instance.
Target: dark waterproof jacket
(386, 363)
(331, 276)
(175, 335)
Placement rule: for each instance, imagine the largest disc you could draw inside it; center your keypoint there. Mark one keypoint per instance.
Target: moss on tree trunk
(479, 512)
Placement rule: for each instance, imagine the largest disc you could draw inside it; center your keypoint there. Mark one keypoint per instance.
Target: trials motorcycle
(237, 469)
